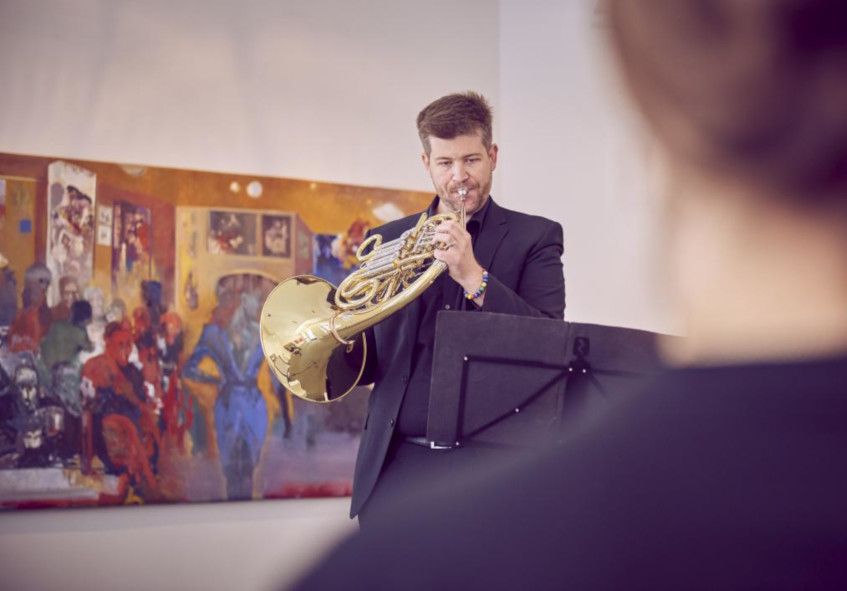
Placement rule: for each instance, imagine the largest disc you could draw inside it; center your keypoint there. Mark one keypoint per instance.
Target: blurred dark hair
(454, 115)
(111, 329)
(753, 89)
(80, 313)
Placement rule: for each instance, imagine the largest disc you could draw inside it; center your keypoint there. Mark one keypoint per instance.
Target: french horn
(312, 333)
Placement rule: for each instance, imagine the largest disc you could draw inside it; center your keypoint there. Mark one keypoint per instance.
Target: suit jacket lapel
(492, 235)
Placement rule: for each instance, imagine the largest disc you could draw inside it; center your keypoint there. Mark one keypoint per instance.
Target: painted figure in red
(33, 321)
(177, 410)
(118, 388)
(127, 453)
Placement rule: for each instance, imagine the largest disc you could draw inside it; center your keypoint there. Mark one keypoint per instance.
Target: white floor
(259, 545)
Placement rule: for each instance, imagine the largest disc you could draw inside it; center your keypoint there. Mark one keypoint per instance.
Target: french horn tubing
(312, 332)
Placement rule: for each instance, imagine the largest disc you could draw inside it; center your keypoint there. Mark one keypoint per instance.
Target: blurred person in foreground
(729, 470)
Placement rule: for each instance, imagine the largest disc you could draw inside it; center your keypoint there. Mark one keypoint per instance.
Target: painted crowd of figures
(87, 386)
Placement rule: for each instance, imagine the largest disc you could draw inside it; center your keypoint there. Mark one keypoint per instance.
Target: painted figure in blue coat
(241, 418)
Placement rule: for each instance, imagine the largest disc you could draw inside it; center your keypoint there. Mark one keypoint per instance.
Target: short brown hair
(753, 90)
(454, 115)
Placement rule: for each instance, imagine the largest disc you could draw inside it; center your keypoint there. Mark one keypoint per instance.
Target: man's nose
(459, 172)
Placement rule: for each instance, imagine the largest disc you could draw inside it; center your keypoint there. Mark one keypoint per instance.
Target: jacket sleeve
(368, 374)
(541, 289)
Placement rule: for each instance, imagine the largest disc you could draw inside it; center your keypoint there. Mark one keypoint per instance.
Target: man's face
(119, 346)
(29, 394)
(79, 203)
(463, 161)
(33, 439)
(114, 313)
(70, 293)
(95, 298)
(172, 327)
(26, 381)
(64, 383)
(41, 280)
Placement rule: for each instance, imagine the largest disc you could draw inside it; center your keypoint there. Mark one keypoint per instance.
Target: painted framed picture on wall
(232, 233)
(131, 241)
(276, 236)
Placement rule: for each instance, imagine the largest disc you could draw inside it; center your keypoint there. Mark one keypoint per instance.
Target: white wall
(568, 152)
(324, 89)
(321, 90)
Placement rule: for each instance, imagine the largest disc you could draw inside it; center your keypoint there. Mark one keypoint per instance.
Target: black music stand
(515, 381)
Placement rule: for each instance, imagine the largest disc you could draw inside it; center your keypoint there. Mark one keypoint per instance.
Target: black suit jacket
(523, 255)
(712, 478)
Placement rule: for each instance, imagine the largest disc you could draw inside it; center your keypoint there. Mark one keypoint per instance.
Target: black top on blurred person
(728, 472)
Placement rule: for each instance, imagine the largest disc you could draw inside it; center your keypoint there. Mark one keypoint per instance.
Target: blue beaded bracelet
(481, 289)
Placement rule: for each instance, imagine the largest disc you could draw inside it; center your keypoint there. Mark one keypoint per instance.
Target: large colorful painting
(131, 370)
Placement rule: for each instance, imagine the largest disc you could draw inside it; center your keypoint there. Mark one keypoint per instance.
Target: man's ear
(425, 160)
(492, 154)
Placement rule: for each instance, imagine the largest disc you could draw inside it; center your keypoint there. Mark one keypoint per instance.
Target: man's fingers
(450, 232)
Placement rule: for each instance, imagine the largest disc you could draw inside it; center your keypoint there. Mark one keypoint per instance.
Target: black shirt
(443, 294)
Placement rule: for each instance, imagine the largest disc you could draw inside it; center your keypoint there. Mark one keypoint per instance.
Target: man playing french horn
(501, 261)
